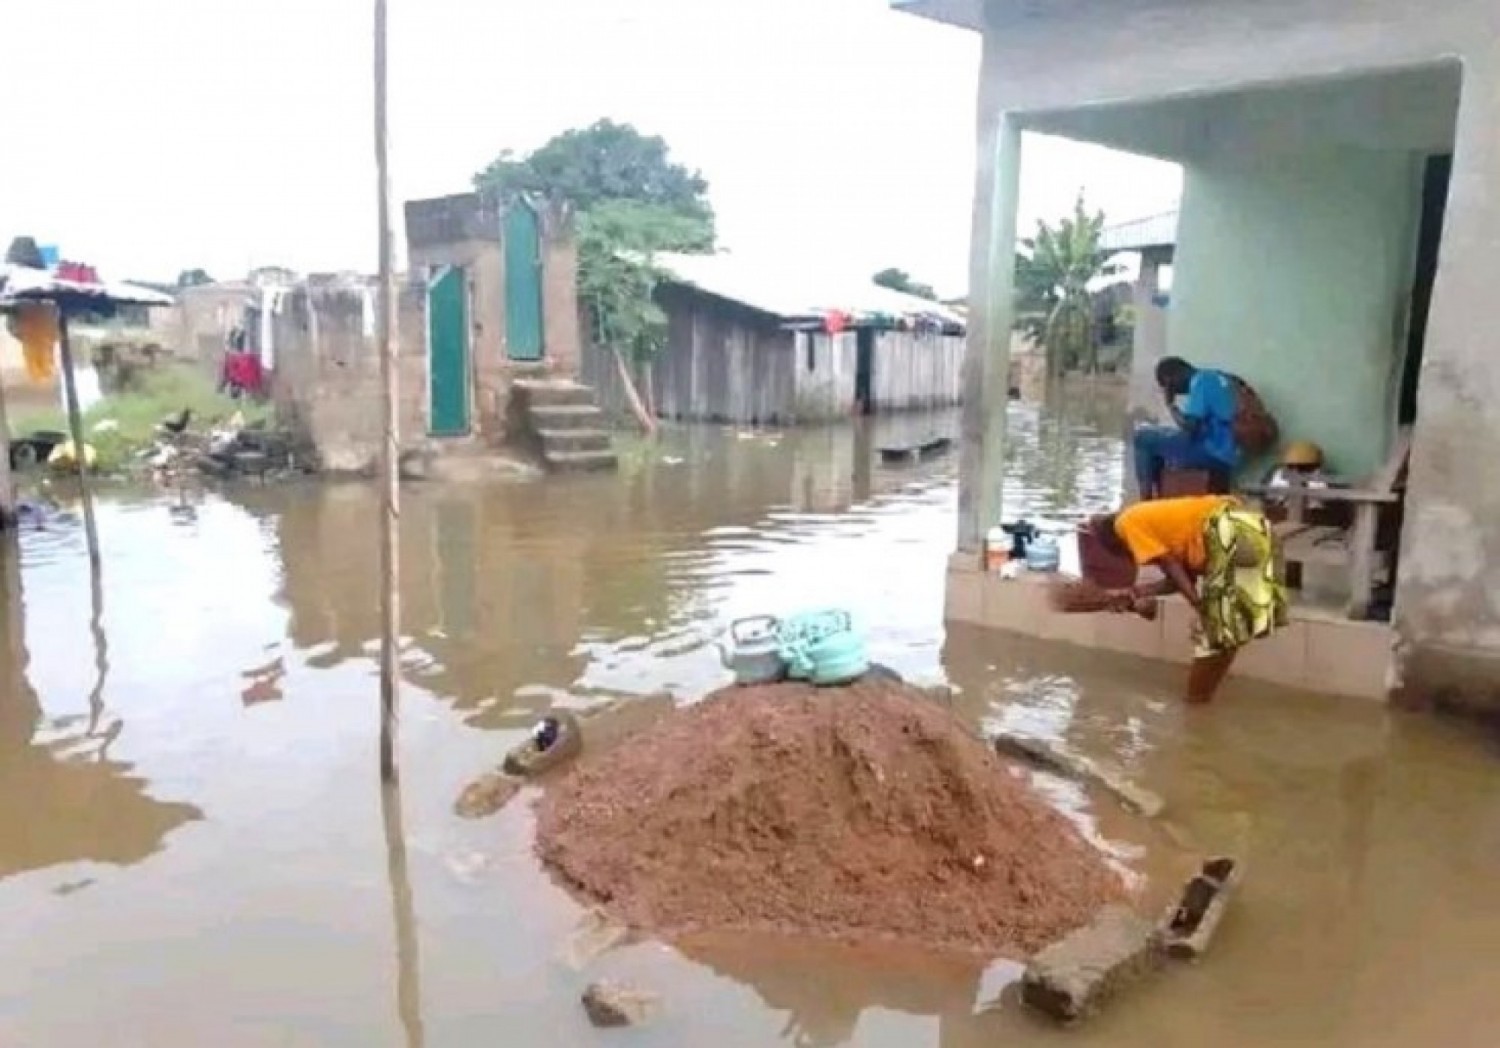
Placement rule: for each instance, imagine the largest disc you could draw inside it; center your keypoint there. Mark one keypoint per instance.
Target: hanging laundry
(835, 320)
(77, 272)
(35, 326)
(267, 351)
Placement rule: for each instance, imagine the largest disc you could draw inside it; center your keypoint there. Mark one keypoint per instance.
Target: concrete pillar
(1149, 345)
(991, 309)
(1447, 611)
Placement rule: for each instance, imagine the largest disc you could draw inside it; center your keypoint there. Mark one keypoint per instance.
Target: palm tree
(1053, 302)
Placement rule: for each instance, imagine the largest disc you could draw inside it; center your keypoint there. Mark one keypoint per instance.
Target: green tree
(602, 162)
(900, 280)
(193, 278)
(632, 201)
(1053, 302)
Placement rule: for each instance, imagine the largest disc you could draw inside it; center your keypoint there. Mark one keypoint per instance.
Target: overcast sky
(150, 136)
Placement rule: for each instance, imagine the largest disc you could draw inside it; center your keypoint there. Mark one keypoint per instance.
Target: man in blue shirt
(1204, 435)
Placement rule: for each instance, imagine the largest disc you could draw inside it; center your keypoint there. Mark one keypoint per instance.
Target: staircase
(561, 424)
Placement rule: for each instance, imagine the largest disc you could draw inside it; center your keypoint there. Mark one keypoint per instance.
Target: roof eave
(965, 14)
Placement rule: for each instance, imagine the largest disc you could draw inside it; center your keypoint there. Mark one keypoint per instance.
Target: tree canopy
(603, 162)
(632, 200)
(193, 278)
(1053, 301)
(900, 280)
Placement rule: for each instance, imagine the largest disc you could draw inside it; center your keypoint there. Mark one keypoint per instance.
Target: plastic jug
(1043, 555)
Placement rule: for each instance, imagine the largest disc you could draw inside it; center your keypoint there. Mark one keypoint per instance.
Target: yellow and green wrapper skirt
(1242, 597)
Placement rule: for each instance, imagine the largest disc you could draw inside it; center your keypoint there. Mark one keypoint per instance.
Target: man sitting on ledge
(1204, 434)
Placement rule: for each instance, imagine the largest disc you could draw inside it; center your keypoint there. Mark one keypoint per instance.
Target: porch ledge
(1317, 651)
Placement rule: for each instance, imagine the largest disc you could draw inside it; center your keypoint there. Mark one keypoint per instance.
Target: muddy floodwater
(193, 846)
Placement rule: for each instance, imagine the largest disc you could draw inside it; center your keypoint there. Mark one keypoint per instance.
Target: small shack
(488, 302)
(749, 343)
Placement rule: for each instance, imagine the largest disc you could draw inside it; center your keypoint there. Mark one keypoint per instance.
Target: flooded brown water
(192, 838)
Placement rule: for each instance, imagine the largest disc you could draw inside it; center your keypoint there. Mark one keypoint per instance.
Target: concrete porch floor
(1317, 651)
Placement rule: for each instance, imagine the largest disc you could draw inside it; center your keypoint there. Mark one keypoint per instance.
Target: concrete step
(574, 439)
(553, 393)
(579, 461)
(565, 416)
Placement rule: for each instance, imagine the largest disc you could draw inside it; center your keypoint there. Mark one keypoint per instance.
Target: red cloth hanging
(836, 320)
(243, 373)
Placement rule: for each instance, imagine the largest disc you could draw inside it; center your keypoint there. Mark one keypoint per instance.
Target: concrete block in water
(1188, 926)
(1071, 978)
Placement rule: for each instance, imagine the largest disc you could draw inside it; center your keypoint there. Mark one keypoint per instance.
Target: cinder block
(1070, 979)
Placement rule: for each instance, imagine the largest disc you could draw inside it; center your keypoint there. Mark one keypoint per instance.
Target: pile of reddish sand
(866, 811)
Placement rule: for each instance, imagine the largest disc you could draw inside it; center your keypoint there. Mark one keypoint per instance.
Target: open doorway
(1435, 179)
(864, 371)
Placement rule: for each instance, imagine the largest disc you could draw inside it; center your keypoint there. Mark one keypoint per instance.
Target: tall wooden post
(404, 915)
(390, 491)
(7, 482)
(75, 430)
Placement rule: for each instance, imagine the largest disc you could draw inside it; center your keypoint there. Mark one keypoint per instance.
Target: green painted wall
(1293, 270)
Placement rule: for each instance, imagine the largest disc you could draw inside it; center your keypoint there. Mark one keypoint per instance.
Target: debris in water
(551, 744)
(486, 795)
(851, 812)
(597, 933)
(467, 865)
(612, 1004)
(1070, 979)
(1070, 765)
(1188, 926)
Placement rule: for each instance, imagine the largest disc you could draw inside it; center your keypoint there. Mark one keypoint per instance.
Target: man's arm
(1195, 412)
(1162, 587)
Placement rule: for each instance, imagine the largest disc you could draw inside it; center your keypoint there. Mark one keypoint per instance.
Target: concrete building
(489, 300)
(1154, 240)
(750, 343)
(1321, 142)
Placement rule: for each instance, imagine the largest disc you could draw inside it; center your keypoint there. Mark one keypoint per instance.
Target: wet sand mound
(866, 811)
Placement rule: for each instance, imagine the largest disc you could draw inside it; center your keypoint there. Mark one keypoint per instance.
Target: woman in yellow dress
(1220, 556)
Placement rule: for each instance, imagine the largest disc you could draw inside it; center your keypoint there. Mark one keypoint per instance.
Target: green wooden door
(523, 284)
(448, 353)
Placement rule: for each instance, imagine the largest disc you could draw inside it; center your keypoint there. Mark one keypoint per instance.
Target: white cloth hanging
(367, 311)
(267, 350)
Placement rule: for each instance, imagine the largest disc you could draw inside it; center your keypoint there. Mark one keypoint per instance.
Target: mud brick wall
(563, 347)
(464, 230)
(326, 385)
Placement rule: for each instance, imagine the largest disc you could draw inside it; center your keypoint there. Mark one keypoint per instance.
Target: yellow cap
(1302, 453)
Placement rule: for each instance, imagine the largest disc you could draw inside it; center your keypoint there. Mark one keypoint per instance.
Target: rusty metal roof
(770, 286)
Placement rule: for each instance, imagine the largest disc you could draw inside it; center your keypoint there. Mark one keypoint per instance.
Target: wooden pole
(75, 430)
(404, 914)
(7, 482)
(390, 491)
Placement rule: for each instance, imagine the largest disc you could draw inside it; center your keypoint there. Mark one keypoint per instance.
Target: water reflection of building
(63, 799)
(511, 588)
